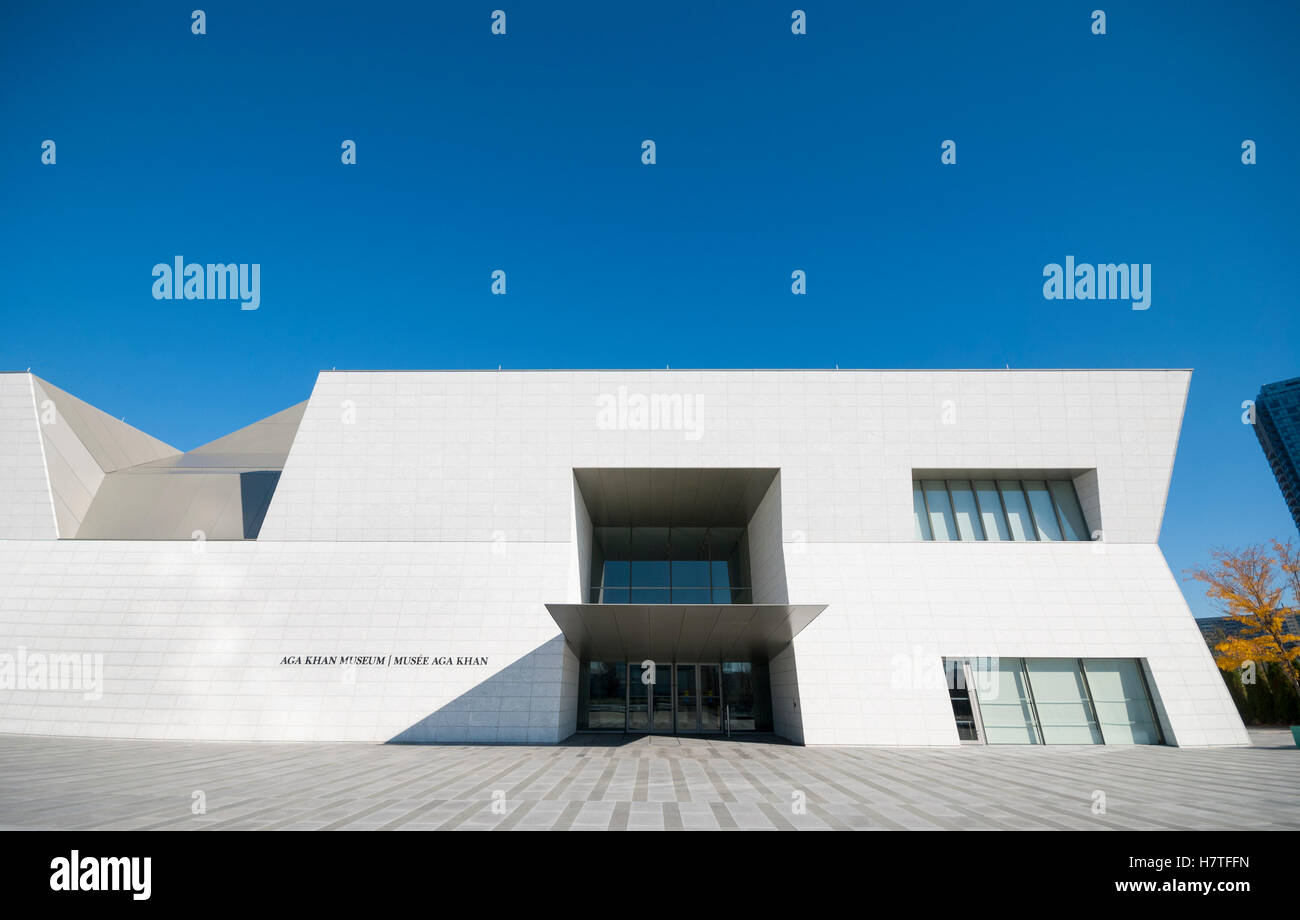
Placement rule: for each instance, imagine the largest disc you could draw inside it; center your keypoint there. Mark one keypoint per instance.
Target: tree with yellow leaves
(1251, 586)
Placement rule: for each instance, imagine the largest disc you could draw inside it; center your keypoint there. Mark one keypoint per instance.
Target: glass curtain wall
(1006, 706)
(684, 697)
(1064, 708)
(1122, 700)
(602, 696)
(670, 565)
(1054, 701)
(1029, 510)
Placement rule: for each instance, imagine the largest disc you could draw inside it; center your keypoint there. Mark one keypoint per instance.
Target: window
(1067, 503)
(662, 565)
(1013, 499)
(1061, 698)
(1006, 708)
(1119, 693)
(1040, 500)
(1052, 701)
(965, 510)
(992, 515)
(963, 710)
(922, 518)
(1030, 510)
(941, 521)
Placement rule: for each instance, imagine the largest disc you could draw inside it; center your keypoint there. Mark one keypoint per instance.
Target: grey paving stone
(656, 783)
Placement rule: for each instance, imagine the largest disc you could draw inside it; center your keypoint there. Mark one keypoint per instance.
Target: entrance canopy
(681, 632)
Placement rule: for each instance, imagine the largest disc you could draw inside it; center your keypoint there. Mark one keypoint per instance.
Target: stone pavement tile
(691, 783)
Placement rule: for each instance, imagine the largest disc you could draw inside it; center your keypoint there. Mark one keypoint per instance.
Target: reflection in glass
(603, 706)
(710, 698)
(660, 565)
(650, 574)
(1004, 701)
(967, 515)
(638, 700)
(959, 695)
(1022, 528)
(688, 701)
(991, 516)
(690, 582)
(1063, 701)
(1008, 509)
(662, 698)
(919, 516)
(941, 522)
(1064, 710)
(738, 694)
(1120, 696)
(1067, 502)
(1040, 500)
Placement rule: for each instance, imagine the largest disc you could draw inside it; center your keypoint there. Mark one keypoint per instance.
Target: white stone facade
(434, 514)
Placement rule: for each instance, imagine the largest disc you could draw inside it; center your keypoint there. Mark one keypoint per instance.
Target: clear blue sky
(775, 152)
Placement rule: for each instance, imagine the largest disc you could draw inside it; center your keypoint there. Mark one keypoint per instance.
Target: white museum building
(830, 556)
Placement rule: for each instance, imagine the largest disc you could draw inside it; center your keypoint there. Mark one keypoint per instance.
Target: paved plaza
(650, 783)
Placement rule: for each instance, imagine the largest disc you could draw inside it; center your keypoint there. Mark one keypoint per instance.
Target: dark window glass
(617, 574)
(654, 565)
(603, 703)
(690, 575)
(650, 575)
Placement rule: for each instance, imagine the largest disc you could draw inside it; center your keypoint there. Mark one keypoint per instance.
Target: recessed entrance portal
(674, 697)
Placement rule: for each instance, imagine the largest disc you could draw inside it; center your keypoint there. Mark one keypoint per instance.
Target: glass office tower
(1277, 425)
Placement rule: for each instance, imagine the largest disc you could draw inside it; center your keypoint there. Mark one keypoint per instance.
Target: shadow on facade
(525, 702)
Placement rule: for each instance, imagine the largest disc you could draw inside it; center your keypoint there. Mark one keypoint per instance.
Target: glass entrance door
(638, 700)
(679, 698)
(649, 698)
(688, 703)
(661, 699)
(710, 698)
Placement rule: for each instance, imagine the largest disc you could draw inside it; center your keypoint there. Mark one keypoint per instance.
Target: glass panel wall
(941, 520)
(1006, 706)
(1006, 509)
(638, 700)
(602, 691)
(738, 694)
(959, 695)
(1054, 701)
(964, 510)
(661, 698)
(1119, 693)
(1013, 499)
(661, 565)
(1061, 698)
(1067, 503)
(710, 698)
(1040, 501)
(992, 516)
(688, 699)
(921, 518)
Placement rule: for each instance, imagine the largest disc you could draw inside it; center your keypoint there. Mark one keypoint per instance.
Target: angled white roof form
(220, 491)
(112, 443)
(263, 445)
